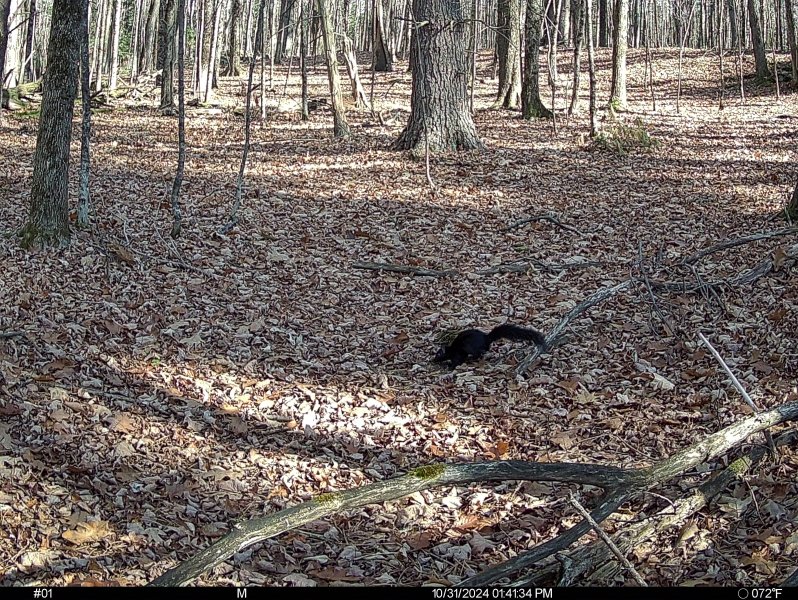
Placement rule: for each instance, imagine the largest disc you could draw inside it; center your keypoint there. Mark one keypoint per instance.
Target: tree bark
(531, 105)
(383, 53)
(5, 9)
(508, 49)
(579, 36)
(340, 126)
(85, 130)
(791, 39)
(762, 70)
(115, 45)
(48, 219)
(233, 58)
(591, 59)
(620, 37)
(440, 118)
(28, 59)
(168, 25)
(604, 35)
(177, 217)
(149, 58)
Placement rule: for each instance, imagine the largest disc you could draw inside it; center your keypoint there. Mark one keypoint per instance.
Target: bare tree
(531, 105)
(440, 118)
(177, 219)
(508, 52)
(340, 126)
(85, 131)
(48, 219)
(762, 71)
(620, 33)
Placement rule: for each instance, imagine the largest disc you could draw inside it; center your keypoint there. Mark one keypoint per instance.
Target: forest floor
(164, 389)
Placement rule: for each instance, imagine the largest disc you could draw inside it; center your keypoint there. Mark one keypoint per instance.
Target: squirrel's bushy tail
(515, 333)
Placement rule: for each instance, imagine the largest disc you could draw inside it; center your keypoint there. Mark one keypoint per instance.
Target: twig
(737, 384)
(552, 218)
(7, 335)
(606, 539)
(404, 269)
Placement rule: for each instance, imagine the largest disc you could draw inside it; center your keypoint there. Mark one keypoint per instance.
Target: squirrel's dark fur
(473, 343)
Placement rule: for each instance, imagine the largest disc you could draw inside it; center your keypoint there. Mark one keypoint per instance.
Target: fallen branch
(619, 485)
(256, 530)
(522, 267)
(404, 269)
(550, 217)
(693, 258)
(551, 339)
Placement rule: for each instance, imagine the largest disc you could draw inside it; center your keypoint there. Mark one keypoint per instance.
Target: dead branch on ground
(550, 217)
(404, 269)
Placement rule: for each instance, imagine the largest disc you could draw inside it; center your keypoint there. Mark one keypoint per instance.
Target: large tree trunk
(620, 37)
(5, 9)
(762, 70)
(531, 105)
(439, 110)
(169, 25)
(508, 49)
(340, 126)
(234, 52)
(48, 219)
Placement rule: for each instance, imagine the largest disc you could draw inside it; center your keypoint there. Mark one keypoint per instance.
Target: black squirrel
(473, 343)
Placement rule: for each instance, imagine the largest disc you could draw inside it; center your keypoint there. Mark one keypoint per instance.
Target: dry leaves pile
(163, 389)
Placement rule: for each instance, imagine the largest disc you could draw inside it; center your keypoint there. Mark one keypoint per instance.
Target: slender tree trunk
(149, 58)
(439, 116)
(359, 98)
(177, 219)
(762, 71)
(619, 43)
(48, 219)
(234, 50)
(97, 69)
(579, 35)
(508, 49)
(169, 25)
(531, 105)
(384, 52)
(303, 59)
(340, 125)
(85, 130)
(791, 39)
(30, 70)
(115, 45)
(5, 9)
(591, 60)
(604, 36)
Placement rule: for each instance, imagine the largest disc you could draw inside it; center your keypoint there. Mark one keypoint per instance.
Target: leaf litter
(163, 389)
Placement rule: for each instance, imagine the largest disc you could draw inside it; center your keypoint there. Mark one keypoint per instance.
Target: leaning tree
(48, 219)
(439, 107)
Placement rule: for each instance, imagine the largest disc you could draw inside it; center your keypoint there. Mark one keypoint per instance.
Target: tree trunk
(5, 9)
(340, 126)
(792, 207)
(791, 39)
(578, 31)
(531, 105)
(234, 51)
(85, 130)
(149, 58)
(383, 53)
(115, 45)
(177, 218)
(762, 70)
(169, 24)
(620, 37)
(440, 119)
(30, 71)
(591, 60)
(604, 35)
(508, 49)
(359, 98)
(48, 219)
